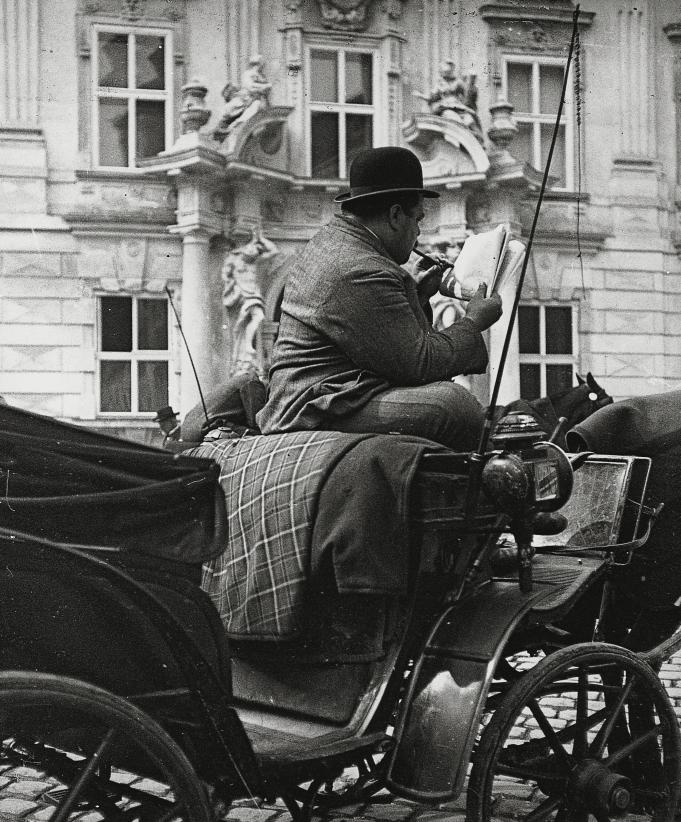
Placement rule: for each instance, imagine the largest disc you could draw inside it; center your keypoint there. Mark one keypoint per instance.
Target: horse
(575, 404)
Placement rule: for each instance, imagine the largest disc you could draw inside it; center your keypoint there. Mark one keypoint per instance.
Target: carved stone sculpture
(456, 97)
(243, 300)
(246, 101)
(193, 113)
(346, 14)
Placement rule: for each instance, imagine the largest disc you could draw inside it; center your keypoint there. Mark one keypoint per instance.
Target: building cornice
(535, 12)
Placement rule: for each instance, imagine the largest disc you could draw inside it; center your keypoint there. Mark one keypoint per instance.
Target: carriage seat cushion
(304, 506)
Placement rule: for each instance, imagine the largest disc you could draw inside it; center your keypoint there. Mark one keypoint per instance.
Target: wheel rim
(100, 752)
(588, 733)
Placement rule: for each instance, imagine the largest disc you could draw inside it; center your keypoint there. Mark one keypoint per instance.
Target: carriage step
(272, 744)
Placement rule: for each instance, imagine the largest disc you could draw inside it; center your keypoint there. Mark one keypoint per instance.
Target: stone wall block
(628, 343)
(32, 358)
(17, 287)
(626, 300)
(632, 322)
(31, 311)
(45, 382)
(36, 334)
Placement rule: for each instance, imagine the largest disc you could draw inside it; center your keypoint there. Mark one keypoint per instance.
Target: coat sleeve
(375, 319)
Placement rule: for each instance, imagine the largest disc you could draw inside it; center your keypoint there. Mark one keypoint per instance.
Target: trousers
(441, 411)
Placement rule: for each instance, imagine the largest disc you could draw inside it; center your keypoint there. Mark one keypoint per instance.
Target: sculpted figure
(455, 97)
(243, 103)
(242, 298)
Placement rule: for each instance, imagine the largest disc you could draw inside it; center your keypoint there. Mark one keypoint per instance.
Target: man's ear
(394, 216)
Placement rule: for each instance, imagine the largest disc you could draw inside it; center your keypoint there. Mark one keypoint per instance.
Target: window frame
(341, 108)
(98, 92)
(134, 356)
(541, 358)
(536, 119)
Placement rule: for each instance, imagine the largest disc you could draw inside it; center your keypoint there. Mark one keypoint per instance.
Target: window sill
(566, 196)
(104, 175)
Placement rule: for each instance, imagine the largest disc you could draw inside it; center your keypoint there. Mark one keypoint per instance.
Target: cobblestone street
(26, 794)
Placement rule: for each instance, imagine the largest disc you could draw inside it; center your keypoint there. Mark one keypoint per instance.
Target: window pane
(114, 386)
(558, 161)
(152, 325)
(358, 135)
(529, 381)
(150, 61)
(113, 60)
(324, 76)
(324, 144)
(151, 127)
(152, 385)
(523, 147)
(520, 87)
(116, 314)
(358, 78)
(558, 330)
(550, 86)
(558, 378)
(528, 329)
(113, 132)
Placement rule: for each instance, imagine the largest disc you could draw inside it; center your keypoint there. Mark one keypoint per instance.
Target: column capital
(195, 233)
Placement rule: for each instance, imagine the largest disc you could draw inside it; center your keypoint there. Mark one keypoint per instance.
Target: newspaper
(490, 257)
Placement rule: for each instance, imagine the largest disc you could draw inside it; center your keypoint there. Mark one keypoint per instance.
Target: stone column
(243, 27)
(636, 112)
(199, 306)
(19, 61)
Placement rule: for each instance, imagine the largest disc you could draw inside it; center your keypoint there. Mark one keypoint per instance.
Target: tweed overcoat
(351, 327)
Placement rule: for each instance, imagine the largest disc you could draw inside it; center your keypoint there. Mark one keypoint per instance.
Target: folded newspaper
(490, 257)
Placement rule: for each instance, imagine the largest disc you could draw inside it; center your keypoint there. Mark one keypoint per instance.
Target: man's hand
(428, 278)
(483, 311)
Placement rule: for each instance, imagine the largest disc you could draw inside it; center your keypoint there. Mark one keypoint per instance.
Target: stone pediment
(449, 151)
(263, 141)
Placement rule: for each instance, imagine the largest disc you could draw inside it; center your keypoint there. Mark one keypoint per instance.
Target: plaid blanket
(272, 486)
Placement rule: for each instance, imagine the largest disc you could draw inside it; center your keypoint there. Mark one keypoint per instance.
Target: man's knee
(459, 415)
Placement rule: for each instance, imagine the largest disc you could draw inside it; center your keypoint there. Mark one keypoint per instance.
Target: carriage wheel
(615, 751)
(101, 752)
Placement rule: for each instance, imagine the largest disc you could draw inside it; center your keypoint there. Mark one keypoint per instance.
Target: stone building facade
(162, 156)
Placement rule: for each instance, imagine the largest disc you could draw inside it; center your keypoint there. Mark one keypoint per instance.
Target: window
(133, 354)
(132, 82)
(546, 336)
(533, 88)
(341, 109)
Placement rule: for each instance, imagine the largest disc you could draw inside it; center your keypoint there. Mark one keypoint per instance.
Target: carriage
(485, 664)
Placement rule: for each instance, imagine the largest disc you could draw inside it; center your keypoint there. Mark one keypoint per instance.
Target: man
(356, 351)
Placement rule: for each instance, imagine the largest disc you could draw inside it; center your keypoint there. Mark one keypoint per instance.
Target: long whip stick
(489, 416)
(189, 353)
(477, 458)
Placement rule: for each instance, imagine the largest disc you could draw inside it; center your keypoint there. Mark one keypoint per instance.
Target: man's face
(408, 231)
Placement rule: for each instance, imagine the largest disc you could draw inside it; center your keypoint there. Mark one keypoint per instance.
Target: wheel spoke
(603, 735)
(580, 745)
(543, 811)
(634, 745)
(70, 800)
(549, 733)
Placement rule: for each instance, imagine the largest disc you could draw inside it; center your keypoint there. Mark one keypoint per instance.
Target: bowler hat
(165, 413)
(386, 170)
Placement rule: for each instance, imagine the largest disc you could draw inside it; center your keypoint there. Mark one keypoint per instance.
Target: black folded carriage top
(66, 483)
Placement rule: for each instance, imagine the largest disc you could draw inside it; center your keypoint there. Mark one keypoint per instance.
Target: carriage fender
(445, 698)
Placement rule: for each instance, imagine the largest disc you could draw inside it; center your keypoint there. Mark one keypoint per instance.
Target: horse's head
(579, 402)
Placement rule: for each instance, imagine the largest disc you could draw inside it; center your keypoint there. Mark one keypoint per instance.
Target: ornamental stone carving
(345, 14)
(243, 300)
(193, 114)
(456, 98)
(241, 104)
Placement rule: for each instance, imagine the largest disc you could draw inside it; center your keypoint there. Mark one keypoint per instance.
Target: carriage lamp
(528, 473)
(525, 477)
